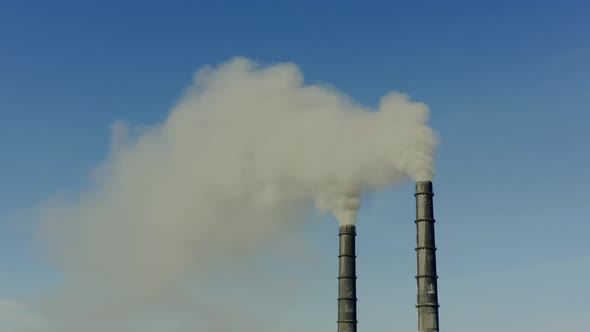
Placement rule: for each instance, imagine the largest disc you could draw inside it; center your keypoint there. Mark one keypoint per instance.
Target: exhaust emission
(347, 280)
(426, 256)
(223, 173)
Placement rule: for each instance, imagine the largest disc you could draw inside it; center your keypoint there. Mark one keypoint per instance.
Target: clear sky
(508, 84)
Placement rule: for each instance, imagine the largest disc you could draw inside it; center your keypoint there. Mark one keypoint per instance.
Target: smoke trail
(245, 155)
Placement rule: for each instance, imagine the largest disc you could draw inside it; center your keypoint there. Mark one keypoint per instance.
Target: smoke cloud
(243, 158)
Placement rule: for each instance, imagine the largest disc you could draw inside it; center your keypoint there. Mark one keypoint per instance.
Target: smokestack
(426, 257)
(347, 280)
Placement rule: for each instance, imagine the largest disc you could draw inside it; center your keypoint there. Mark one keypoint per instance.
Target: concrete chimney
(347, 280)
(426, 257)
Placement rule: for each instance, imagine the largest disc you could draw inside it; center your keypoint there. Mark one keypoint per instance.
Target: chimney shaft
(347, 280)
(426, 257)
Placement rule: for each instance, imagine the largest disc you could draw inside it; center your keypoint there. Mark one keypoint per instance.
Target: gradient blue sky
(508, 83)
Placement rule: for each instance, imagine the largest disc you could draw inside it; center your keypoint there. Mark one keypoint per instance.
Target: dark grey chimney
(426, 256)
(347, 280)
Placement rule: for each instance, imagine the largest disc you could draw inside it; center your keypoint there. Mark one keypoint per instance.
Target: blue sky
(508, 84)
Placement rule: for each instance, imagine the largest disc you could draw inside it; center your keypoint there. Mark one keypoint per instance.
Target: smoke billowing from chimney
(247, 153)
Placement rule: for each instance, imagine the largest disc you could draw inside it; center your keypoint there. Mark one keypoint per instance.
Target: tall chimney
(426, 257)
(347, 280)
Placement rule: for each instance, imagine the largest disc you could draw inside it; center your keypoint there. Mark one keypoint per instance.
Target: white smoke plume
(244, 157)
